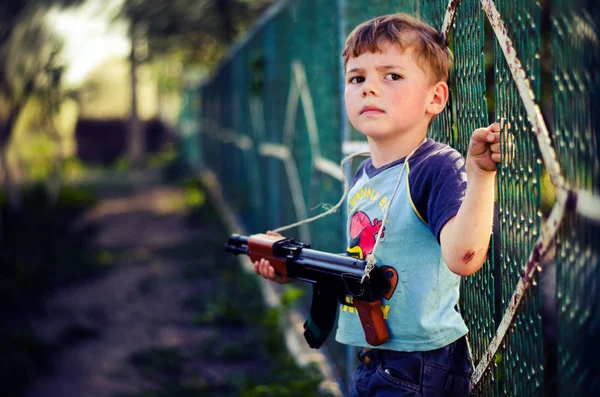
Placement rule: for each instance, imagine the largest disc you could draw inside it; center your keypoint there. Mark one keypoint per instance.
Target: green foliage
(185, 390)
(161, 159)
(31, 68)
(548, 193)
(165, 361)
(166, 368)
(199, 213)
(76, 199)
(235, 301)
(178, 28)
(229, 347)
(122, 165)
(240, 303)
(176, 169)
(72, 168)
(287, 381)
(157, 160)
(290, 295)
(242, 332)
(37, 153)
(194, 194)
(257, 65)
(40, 248)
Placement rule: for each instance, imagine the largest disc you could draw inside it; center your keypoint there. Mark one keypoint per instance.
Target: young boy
(437, 228)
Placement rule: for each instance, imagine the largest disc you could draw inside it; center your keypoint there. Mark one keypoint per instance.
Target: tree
(195, 28)
(190, 32)
(28, 56)
(29, 66)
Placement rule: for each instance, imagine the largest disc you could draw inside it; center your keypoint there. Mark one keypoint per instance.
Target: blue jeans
(441, 372)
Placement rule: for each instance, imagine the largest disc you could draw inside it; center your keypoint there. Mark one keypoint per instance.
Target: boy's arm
(465, 237)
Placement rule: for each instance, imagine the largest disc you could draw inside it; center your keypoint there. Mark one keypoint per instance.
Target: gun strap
(319, 323)
(371, 258)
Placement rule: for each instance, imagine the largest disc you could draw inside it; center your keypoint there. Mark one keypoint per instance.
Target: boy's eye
(392, 76)
(356, 80)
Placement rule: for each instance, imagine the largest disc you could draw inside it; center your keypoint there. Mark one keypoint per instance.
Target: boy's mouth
(371, 110)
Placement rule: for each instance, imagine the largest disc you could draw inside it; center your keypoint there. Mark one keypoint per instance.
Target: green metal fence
(270, 124)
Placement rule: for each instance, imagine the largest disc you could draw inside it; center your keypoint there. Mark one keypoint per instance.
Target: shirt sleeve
(438, 183)
(359, 172)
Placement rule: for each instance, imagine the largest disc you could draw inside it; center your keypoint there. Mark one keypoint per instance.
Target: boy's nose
(369, 89)
(368, 92)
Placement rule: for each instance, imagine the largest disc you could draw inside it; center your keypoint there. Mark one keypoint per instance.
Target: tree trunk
(136, 138)
(13, 196)
(13, 199)
(55, 179)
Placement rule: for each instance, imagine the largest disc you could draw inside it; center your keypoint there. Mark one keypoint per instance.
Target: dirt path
(135, 306)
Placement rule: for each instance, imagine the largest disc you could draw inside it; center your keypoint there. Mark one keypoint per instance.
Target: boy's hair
(430, 47)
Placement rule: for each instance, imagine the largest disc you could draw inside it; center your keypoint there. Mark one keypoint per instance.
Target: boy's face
(387, 94)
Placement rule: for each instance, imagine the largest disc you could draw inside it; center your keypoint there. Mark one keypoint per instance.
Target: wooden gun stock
(261, 246)
(371, 317)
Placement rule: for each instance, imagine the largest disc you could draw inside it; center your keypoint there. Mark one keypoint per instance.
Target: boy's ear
(438, 98)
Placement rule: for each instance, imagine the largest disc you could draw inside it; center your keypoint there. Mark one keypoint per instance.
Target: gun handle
(371, 317)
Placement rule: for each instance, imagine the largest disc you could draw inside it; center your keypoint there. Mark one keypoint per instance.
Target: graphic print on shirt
(363, 234)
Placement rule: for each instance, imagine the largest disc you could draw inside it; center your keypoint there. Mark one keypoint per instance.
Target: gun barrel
(237, 244)
(334, 259)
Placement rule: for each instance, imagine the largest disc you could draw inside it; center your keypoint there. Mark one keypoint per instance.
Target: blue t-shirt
(420, 313)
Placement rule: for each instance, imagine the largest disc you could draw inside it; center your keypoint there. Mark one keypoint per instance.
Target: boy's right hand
(264, 269)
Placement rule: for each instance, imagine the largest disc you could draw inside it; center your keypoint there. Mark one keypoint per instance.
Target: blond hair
(429, 46)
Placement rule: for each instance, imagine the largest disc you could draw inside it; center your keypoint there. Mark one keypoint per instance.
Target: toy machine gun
(332, 276)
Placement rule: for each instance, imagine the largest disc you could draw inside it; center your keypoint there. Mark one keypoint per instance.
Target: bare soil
(138, 305)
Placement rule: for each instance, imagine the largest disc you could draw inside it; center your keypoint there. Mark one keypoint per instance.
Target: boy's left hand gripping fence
(333, 278)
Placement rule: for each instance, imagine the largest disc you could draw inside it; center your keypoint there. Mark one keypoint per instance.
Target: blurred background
(70, 68)
(113, 280)
(136, 135)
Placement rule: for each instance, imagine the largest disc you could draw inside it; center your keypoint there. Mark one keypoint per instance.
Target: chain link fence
(270, 124)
